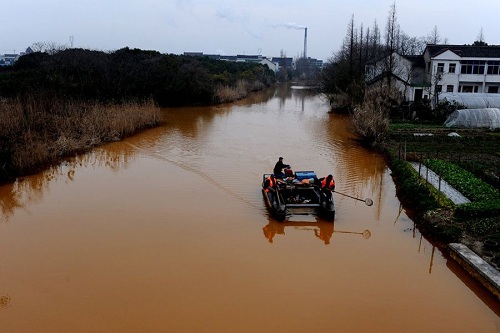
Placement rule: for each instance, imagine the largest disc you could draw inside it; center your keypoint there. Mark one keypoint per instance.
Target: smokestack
(305, 43)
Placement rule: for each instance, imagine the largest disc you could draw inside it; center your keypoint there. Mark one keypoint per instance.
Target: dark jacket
(278, 168)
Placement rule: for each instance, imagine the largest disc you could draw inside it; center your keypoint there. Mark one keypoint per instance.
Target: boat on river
(298, 194)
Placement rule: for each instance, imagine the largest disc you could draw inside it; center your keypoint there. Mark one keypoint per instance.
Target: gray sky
(233, 27)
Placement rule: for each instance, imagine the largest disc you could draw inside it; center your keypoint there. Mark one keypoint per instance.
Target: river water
(167, 231)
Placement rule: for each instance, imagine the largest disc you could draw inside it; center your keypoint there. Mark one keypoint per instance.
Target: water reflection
(260, 97)
(473, 284)
(26, 191)
(322, 230)
(356, 169)
(191, 121)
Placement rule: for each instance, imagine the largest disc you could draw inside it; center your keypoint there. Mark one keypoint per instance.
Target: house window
(449, 88)
(493, 90)
(440, 68)
(451, 68)
(494, 67)
(439, 88)
(467, 89)
(472, 67)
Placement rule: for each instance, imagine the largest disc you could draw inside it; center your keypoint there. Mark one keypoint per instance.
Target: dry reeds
(226, 93)
(35, 132)
(371, 119)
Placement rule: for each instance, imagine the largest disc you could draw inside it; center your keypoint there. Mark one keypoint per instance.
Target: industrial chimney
(305, 43)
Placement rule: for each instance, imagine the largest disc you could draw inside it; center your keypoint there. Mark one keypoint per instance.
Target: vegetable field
(469, 160)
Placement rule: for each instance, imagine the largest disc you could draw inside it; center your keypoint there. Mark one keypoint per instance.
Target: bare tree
(361, 61)
(480, 36)
(434, 37)
(351, 36)
(392, 30)
(392, 34)
(480, 39)
(437, 89)
(411, 45)
(47, 47)
(375, 42)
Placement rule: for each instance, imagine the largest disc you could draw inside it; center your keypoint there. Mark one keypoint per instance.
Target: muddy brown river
(167, 231)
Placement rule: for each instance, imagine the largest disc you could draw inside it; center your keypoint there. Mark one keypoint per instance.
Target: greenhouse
(474, 118)
(472, 100)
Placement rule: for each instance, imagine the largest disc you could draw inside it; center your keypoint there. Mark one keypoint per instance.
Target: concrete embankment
(477, 267)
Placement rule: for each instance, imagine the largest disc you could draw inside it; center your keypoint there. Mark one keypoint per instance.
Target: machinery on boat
(299, 193)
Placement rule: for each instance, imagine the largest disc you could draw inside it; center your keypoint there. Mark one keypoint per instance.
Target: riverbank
(475, 225)
(38, 131)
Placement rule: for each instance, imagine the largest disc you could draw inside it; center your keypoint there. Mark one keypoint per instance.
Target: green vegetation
(485, 198)
(470, 163)
(130, 75)
(464, 181)
(412, 126)
(416, 193)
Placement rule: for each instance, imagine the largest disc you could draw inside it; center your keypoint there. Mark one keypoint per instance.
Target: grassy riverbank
(38, 131)
(470, 163)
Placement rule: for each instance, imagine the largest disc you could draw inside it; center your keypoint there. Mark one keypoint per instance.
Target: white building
(8, 59)
(406, 73)
(440, 69)
(463, 68)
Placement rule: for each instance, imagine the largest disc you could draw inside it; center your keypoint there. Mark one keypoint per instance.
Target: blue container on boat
(305, 175)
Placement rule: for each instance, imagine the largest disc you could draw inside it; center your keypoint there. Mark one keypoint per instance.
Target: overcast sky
(233, 27)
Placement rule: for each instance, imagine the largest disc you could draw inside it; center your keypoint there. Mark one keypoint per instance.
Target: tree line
(128, 75)
(372, 107)
(344, 74)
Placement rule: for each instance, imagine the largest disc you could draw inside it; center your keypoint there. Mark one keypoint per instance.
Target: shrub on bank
(433, 211)
(487, 208)
(371, 119)
(411, 188)
(227, 93)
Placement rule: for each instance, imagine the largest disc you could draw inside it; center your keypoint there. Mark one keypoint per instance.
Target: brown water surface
(167, 231)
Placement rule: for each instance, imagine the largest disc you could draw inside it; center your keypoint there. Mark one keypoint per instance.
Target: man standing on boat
(278, 168)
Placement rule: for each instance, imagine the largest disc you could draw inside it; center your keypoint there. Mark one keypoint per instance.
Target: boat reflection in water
(323, 230)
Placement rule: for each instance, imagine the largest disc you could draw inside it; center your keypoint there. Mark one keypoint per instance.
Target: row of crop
(422, 198)
(464, 181)
(485, 198)
(412, 190)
